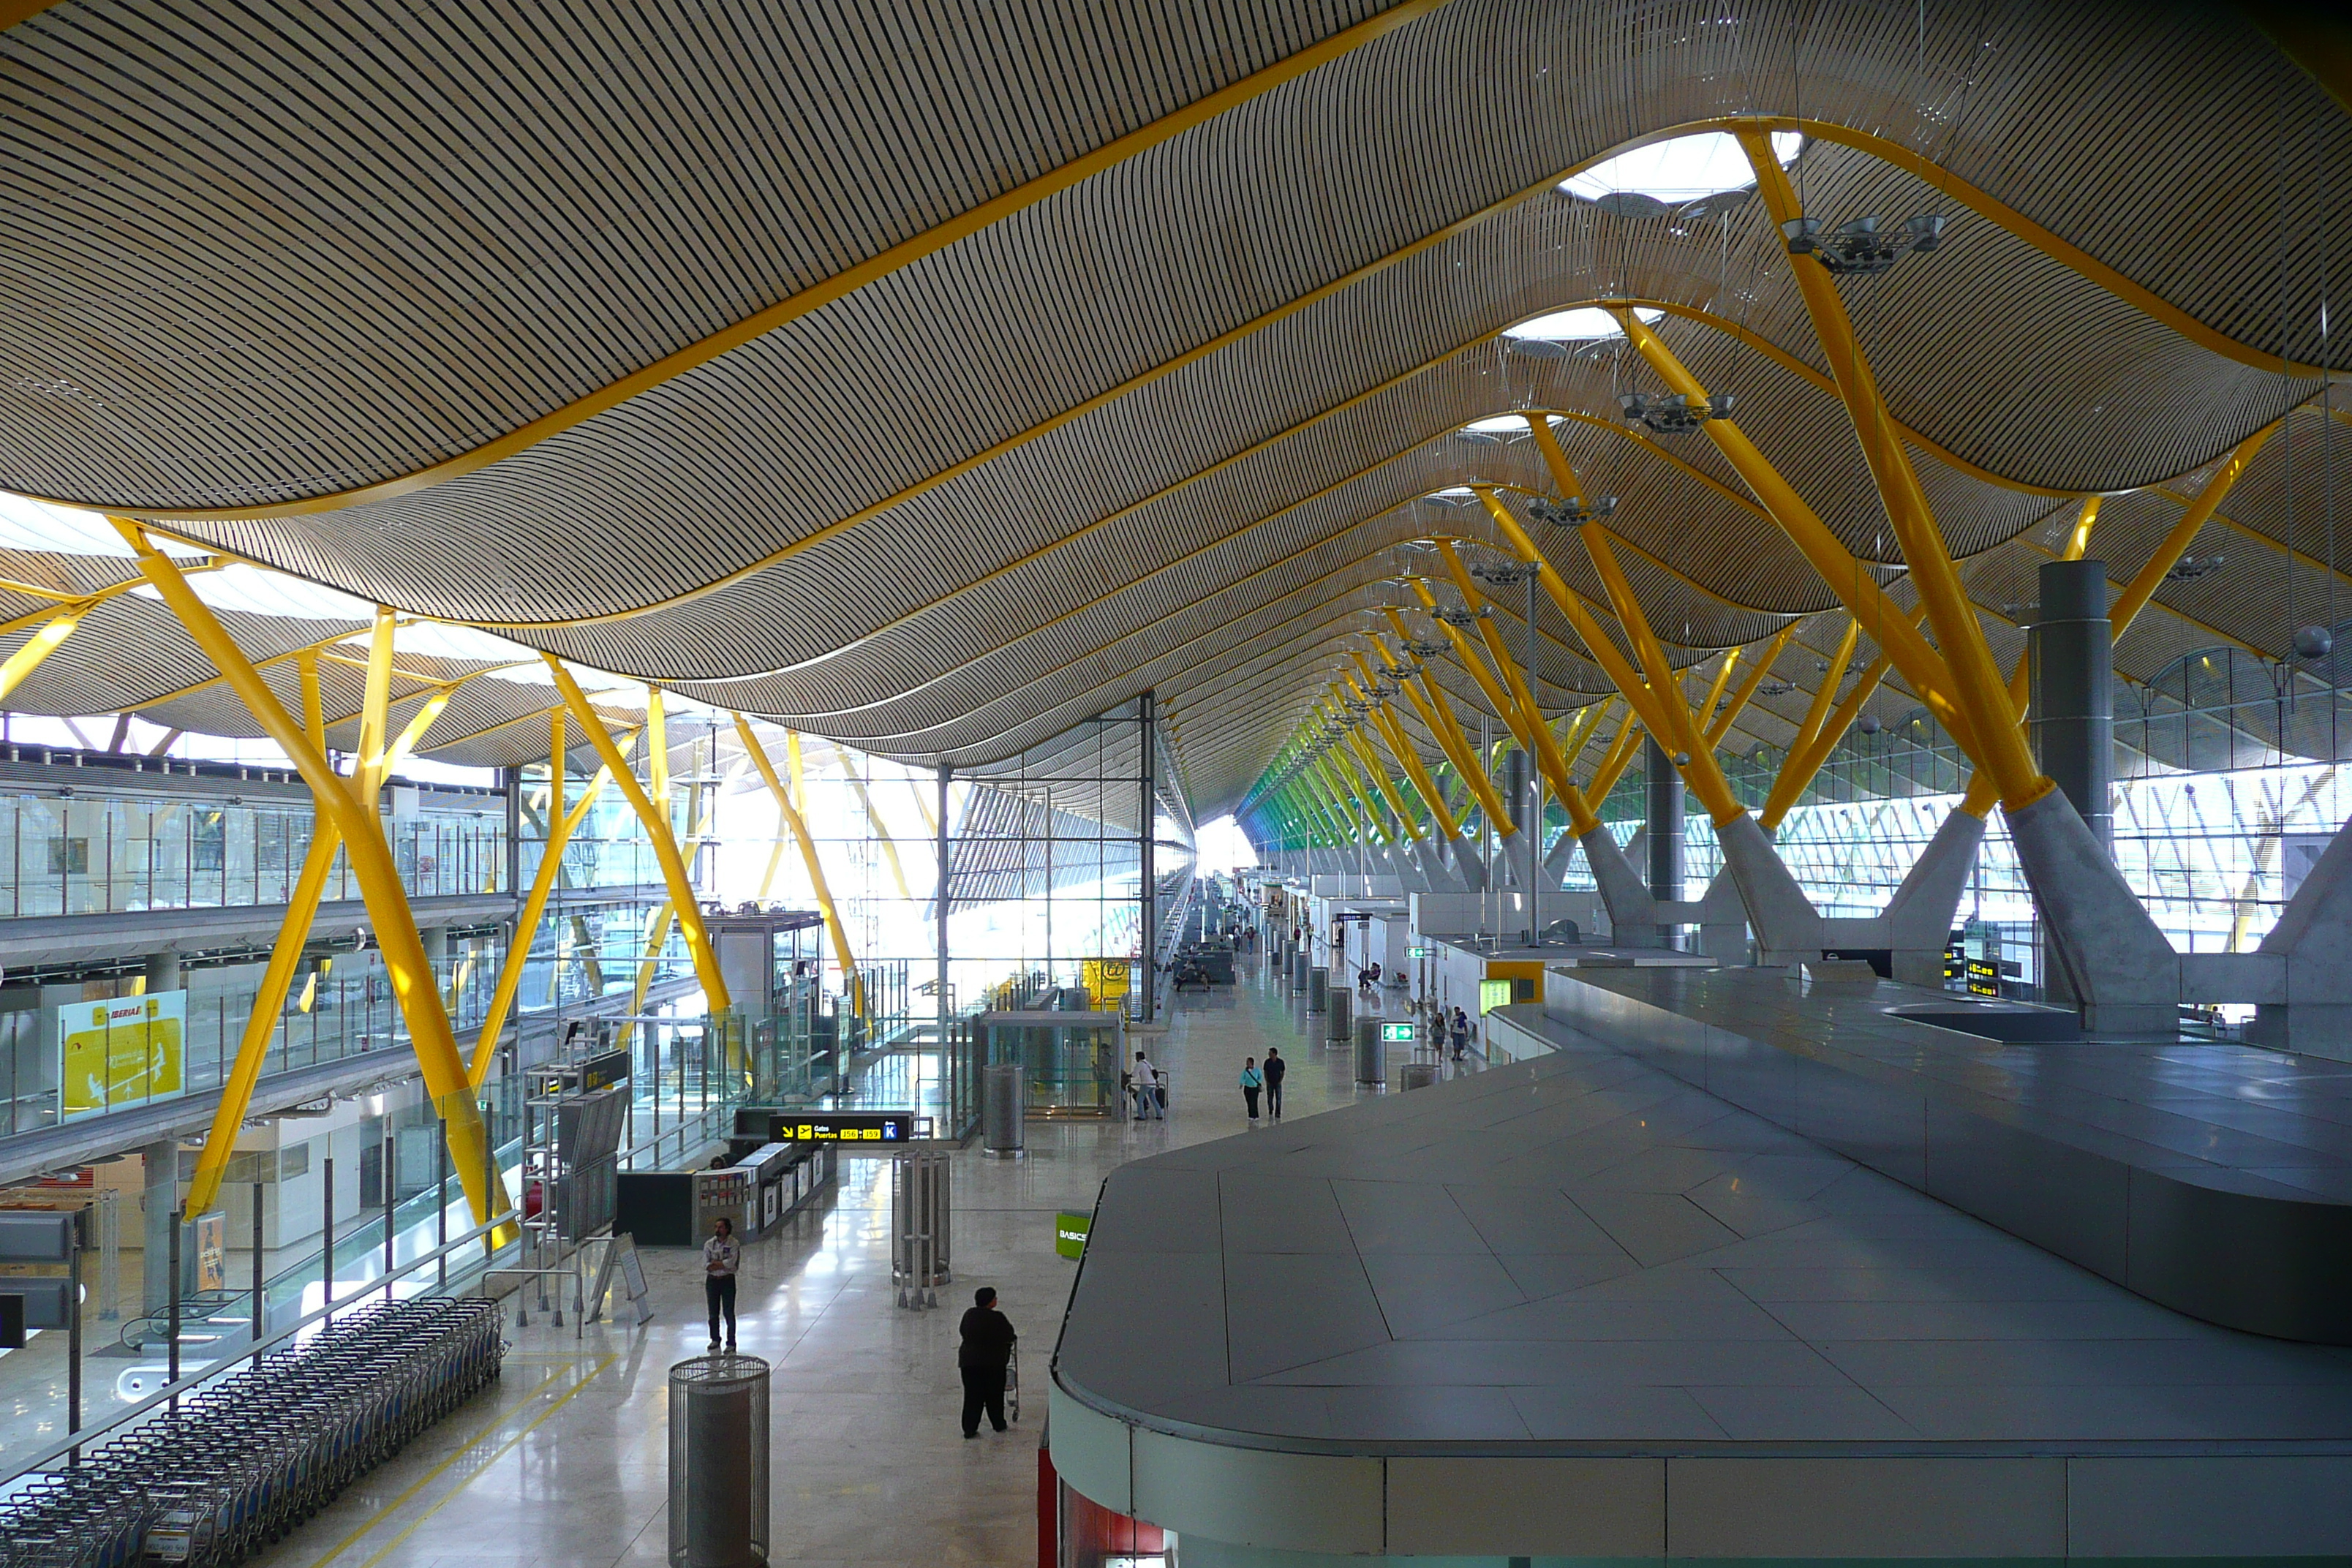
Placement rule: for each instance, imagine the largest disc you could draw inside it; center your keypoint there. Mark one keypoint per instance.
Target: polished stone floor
(565, 1462)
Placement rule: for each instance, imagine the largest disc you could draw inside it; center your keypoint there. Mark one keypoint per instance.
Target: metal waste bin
(1001, 1110)
(1319, 988)
(1342, 1003)
(1416, 1075)
(719, 1462)
(1298, 970)
(1372, 1056)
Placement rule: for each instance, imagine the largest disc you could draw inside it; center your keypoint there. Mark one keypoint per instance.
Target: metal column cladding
(2072, 711)
(1664, 819)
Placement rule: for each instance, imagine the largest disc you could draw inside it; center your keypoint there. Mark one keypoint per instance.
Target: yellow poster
(122, 1052)
(1105, 980)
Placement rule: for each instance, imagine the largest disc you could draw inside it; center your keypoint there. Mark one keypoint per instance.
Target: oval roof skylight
(1681, 170)
(1585, 323)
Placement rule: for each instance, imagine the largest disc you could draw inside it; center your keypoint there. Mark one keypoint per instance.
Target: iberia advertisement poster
(122, 1051)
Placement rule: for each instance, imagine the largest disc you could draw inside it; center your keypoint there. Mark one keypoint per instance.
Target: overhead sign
(1494, 994)
(890, 1127)
(1070, 1232)
(603, 1071)
(126, 1051)
(1396, 1034)
(1419, 952)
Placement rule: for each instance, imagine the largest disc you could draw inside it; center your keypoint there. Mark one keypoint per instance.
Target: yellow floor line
(348, 1542)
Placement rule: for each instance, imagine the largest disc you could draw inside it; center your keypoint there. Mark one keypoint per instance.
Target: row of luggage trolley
(244, 1461)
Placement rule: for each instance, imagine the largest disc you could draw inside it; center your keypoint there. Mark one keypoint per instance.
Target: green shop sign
(1070, 1234)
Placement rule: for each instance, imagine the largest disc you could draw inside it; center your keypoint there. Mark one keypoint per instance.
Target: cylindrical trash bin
(1371, 1056)
(1318, 987)
(1001, 1110)
(1416, 1075)
(719, 1462)
(1342, 1003)
(1298, 970)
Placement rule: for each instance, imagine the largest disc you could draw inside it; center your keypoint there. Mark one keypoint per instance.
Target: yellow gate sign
(1105, 980)
(122, 1052)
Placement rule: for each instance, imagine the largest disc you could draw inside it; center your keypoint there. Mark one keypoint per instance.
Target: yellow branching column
(685, 906)
(1429, 701)
(798, 826)
(413, 982)
(561, 825)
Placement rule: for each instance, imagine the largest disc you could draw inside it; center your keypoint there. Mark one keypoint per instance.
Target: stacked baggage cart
(242, 1462)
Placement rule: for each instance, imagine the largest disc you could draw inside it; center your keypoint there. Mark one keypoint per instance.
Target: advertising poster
(1105, 980)
(120, 1052)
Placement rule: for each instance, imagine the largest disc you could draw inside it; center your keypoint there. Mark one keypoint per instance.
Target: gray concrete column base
(1920, 914)
(1919, 966)
(1784, 919)
(2116, 960)
(1633, 913)
(2306, 1028)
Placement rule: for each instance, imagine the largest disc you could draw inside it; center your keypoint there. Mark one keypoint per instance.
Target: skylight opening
(1499, 424)
(1584, 324)
(29, 524)
(1681, 170)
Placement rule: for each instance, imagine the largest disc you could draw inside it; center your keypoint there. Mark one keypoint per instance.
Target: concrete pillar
(162, 1160)
(1663, 800)
(162, 972)
(437, 943)
(1633, 913)
(1512, 785)
(2073, 716)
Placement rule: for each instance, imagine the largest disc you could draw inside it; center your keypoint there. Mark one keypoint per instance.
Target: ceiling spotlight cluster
(1862, 248)
(1502, 573)
(1572, 511)
(1462, 614)
(1672, 413)
(2189, 568)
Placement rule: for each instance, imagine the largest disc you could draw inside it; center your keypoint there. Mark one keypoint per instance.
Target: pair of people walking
(1266, 1080)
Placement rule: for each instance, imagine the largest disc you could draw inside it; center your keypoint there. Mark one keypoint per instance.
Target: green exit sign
(1070, 1234)
(1419, 952)
(1396, 1034)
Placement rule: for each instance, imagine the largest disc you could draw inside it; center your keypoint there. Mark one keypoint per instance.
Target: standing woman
(1252, 1081)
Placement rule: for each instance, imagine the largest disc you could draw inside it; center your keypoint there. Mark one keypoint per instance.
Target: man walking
(981, 1358)
(720, 1255)
(1147, 1090)
(1274, 1069)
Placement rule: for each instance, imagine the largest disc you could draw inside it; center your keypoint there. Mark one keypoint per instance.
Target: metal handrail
(42, 1458)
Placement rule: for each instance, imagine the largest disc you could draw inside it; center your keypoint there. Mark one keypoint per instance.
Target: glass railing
(95, 854)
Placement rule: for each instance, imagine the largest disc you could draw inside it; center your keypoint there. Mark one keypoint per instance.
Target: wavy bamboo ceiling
(936, 377)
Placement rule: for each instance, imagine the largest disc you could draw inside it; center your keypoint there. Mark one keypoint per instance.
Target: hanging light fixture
(1572, 511)
(1861, 248)
(1672, 413)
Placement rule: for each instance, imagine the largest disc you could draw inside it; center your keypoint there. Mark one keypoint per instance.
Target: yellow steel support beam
(1977, 687)
(1619, 756)
(1338, 776)
(1977, 802)
(1720, 724)
(1817, 712)
(1401, 748)
(687, 907)
(1703, 715)
(413, 982)
(276, 976)
(1533, 736)
(1658, 701)
(51, 636)
(1847, 577)
(1434, 713)
(874, 820)
(1582, 728)
(2143, 587)
(562, 824)
(1380, 777)
(798, 827)
(1799, 766)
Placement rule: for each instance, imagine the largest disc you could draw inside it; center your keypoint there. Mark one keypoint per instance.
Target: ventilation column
(2074, 699)
(1663, 826)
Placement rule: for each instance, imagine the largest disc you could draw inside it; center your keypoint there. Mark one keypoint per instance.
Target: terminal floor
(565, 1462)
